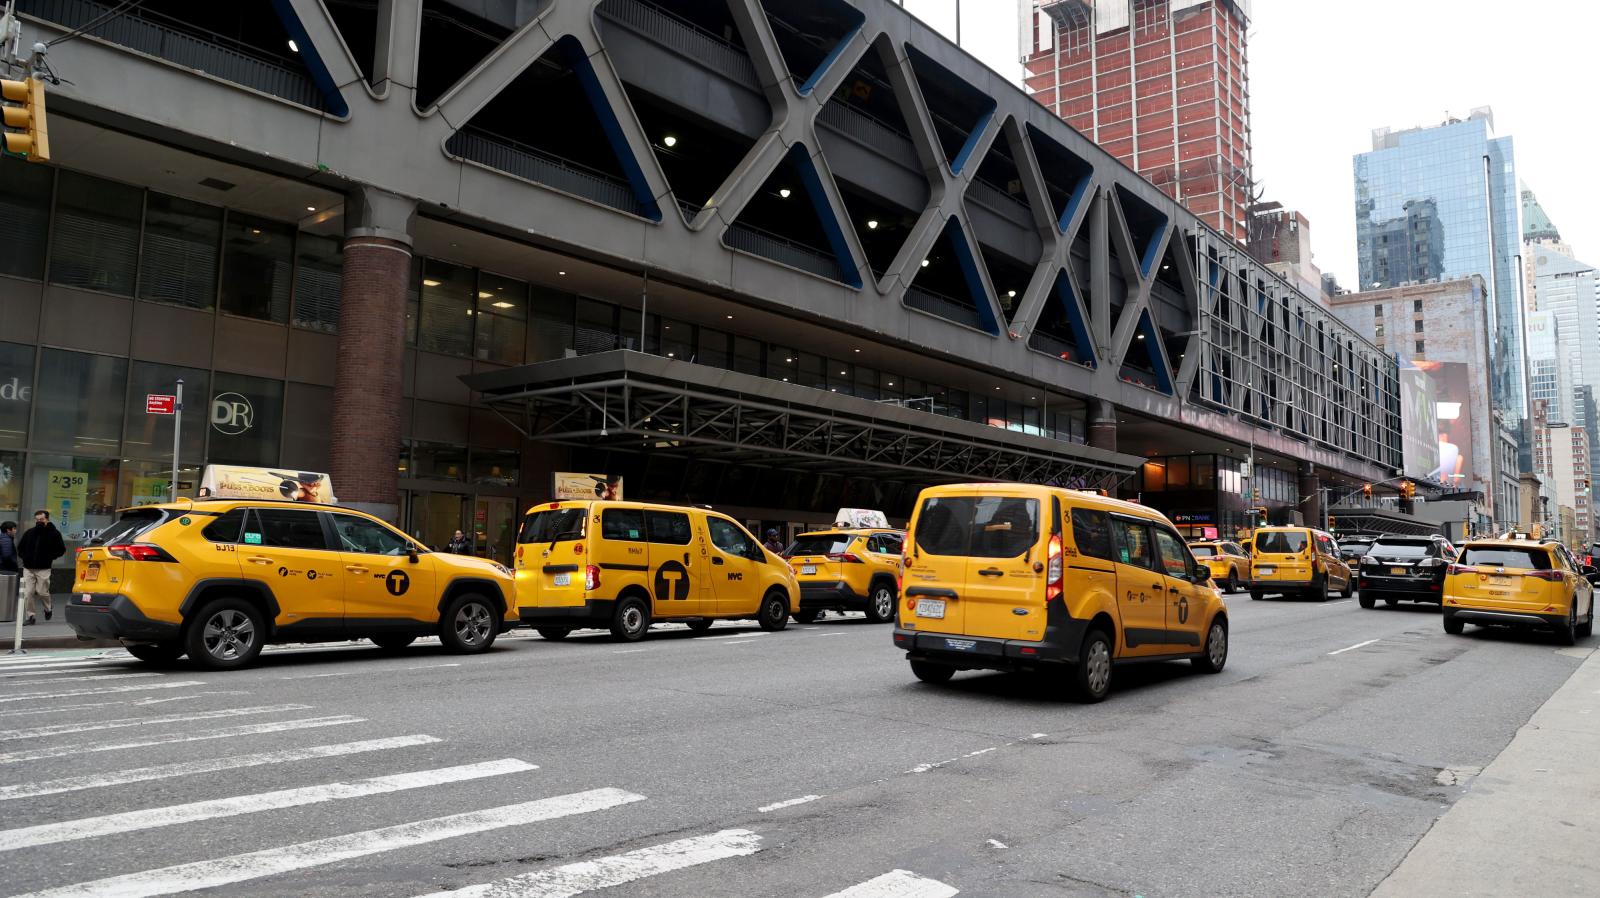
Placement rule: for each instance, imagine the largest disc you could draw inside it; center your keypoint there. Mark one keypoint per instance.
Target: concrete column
(367, 391)
(1102, 425)
(1311, 496)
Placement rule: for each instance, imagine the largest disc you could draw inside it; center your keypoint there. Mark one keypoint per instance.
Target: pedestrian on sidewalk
(772, 543)
(459, 544)
(8, 548)
(38, 549)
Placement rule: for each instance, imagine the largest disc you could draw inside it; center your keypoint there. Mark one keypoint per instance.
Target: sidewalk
(51, 634)
(1529, 823)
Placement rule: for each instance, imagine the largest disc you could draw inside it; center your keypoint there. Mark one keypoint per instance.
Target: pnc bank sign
(232, 414)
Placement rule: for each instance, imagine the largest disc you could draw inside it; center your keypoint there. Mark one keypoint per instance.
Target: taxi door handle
(1174, 590)
(257, 559)
(716, 559)
(992, 572)
(355, 569)
(1155, 586)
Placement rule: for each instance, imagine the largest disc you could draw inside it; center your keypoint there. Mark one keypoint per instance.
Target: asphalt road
(803, 763)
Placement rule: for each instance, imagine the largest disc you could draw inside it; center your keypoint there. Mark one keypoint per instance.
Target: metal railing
(867, 128)
(751, 239)
(511, 157)
(998, 200)
(186, 45)
(683, 36)
(943, 306)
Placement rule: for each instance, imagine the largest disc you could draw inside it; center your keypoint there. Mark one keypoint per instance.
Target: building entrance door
(435, 517)
(494, 527)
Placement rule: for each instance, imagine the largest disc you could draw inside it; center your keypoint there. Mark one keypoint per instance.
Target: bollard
(12, 597)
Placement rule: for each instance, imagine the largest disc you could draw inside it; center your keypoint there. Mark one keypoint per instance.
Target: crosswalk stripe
(588, 876)
(253, 729)
(289, 858)
(207, 765)
(131, 702)
(115, 676)
(108, 690)
(12, 669)
(898, 884)
(238, 805)
(63, 729)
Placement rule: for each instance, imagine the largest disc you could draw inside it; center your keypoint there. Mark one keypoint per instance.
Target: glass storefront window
(839, 377)
(246, 420)
(24, 217)
(496, 467)
(413, 300)
(502, 319)
(181, 240)
(11, 468)
(597, 326)
(550, 318)
(445, 320)
(813, 371)
(1203, 471)
(16, 394)
(307, 444)
(146, 482)
(318, 282)
(1155, 476)
(94, 243)
(436, 461)
(150, 436)
(866, 383)
(80, 402)
(714, 349)
(782, 364)
(79, 492)
(257, 267)
(747, 356)
(677, 339)
(1177, 473)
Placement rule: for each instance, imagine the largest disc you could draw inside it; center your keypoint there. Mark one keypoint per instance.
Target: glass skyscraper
(1442, 202)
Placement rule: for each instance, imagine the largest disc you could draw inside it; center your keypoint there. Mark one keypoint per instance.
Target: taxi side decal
(673, 578)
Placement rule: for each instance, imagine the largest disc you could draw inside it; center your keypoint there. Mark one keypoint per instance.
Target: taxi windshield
(552, 526)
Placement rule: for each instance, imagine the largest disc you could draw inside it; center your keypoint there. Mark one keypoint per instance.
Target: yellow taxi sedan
(1519, 582)
(1230, 566)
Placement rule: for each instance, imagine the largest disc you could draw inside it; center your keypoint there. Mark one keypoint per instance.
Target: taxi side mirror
(1200, 573)
(1592, 574)
(411, 555)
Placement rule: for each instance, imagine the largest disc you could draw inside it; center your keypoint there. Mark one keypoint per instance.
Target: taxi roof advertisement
(569, 487)
(237, 482)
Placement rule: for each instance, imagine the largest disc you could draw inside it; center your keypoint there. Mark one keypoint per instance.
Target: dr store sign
(232, 414)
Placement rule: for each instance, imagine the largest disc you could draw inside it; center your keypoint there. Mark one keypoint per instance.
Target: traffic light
(1408, 489)
(1366, 491)
(25, 133)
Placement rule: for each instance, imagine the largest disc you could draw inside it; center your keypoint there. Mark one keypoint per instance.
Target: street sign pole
(177, 432)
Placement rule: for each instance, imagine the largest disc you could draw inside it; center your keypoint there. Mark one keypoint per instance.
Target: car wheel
(805, 617)
(1567, 633)
(391, 643)
(1232, 586)
(554, 634)
(700, 626)
(774, 614)
(1454, 626)
(225, 635)
(1256, 594)
(1320, 594)
(928, 672)
(631, 620)
(1091, 677)
(162, 653)
(1366, 600)
(1349, 588)
(468, 625)
(880, 605)
(1586, 629)
(1216, 651)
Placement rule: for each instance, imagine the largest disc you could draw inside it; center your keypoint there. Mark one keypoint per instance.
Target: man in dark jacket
(38, 549)
(8, 548)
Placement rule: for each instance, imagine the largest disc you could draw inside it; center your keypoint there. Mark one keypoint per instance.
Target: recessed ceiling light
(924, 263)
(311, 208)
(1141, 336)
(484, 295)
(858, 350)
(783, 192)
(872, 224)
(1011, 293)
(730, 317)
(255, 230)
(562, 273)
(997, 389)
(293, 47)
(669, 141)
(430, 282)
(788, 360)
(504, 305)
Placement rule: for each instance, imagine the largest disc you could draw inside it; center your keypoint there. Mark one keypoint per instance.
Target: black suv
(1352, 547)
(1405, 567)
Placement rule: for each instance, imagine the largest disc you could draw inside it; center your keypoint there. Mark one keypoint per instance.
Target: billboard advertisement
(1419, 422)
(237, 482)
(1452, 387)
(569, 486)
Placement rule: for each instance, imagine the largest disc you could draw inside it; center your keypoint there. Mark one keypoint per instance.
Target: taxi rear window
(978, 526)
(553, 525)
(1502, 556)
(1203, 551)
(1281, 542)
(823, 544)
(130, 526)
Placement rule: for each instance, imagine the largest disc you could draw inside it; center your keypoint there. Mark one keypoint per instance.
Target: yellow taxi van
(1518, 581)
(625, 565)
(847, 569)
(1017, 577)
(251, 563)
(1298, 561)
(1229, 564)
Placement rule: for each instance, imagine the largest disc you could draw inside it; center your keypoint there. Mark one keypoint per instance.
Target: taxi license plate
(563, 579)
(1398, 571)
(1267, 569)
(1501, 580)
(808, 569)
(930, 608)
(92, 572)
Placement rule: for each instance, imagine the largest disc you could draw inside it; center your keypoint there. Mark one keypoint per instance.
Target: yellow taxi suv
(622, 566)
(1518, 582)
(1229, 565)
(1298, 561)
(216, 579)
(847, 570)
(1016, 577)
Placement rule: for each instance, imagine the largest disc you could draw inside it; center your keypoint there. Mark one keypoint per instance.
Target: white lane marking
(62, 729)
(603, 873)
(133, 703)
(39, 673)
(935, 765)
(304, 855)
(996, 843)
(238, 805)
(898, 884)
(253, 729)
(788, 804)
(432, 666)
(1351, 648)
(108, 690)
(11, 671)
(629, 651)
(207, 765)
(341, 673)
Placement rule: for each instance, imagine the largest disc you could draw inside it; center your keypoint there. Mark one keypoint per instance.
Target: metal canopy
(1377, 520)
(632, 401)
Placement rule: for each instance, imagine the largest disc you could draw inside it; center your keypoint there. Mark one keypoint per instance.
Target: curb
(62, 642)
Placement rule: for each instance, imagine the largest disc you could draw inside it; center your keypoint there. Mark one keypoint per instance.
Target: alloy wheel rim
(883, 602)
(775, 610)
(1219, 644)
(631, 619)
(1099, 667)
(472, 623)
(228, 635)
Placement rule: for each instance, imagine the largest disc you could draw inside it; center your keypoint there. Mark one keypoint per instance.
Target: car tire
(1567, 633)
(929, 672)
(160, 654)
(392, 643)
(1586, 629)
(554, 634)
(700, 626)
(1091, 676)
(1256, 594)
(1454, 626)
(805, 617)
(1232, 586)
(226, 634)
(468, 625)
(631, 620)
(1320, 594)
(1214, 656)
(774, 613)
(1367, 601)
(1349, 588)
(880, 603)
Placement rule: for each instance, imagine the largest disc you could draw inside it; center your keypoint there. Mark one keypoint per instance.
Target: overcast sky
(1323, 75)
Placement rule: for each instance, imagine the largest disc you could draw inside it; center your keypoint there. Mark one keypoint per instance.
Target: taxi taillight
(1552, 575)
(591, 577)
(1056, 570)
(139, 552)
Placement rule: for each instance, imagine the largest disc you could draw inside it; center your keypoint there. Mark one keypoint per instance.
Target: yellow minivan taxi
(1229, 565)
(847, 570)
(1519, 582)
(1298, 561)
(1002, 576)
(625, 565)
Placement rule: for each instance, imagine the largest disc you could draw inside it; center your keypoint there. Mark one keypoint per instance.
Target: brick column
(1311, 495)
(367, 392)
(1102, 425)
